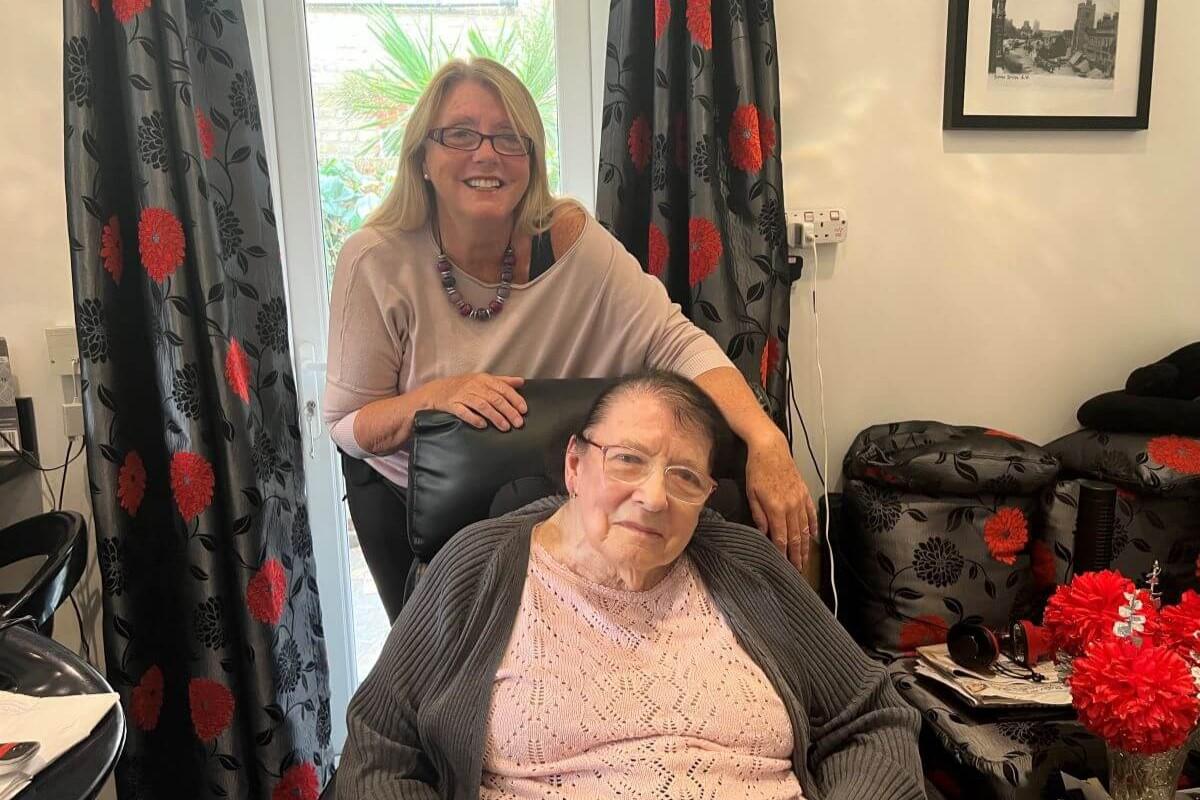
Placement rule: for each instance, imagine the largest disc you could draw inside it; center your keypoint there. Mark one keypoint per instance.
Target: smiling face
(480, 186)
(635, 528)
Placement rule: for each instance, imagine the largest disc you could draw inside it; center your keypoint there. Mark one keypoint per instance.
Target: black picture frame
(953, 117)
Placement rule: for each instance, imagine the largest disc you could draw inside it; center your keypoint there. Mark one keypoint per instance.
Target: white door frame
(279, 46)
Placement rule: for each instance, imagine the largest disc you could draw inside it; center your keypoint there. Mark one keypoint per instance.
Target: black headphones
(973, 646)
(978, 647)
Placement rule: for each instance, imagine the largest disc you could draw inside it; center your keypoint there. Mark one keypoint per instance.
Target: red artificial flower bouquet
(1134, 667)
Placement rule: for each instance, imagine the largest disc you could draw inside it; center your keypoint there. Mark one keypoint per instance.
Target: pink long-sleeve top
(634, 694)
(594, 313)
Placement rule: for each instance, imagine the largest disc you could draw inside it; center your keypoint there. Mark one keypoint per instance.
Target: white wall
(989, 278)
(35, 269)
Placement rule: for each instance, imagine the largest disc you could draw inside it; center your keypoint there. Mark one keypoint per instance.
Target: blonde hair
(410, 202)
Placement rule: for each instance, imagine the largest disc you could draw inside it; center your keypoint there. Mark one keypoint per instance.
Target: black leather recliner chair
(459, 474)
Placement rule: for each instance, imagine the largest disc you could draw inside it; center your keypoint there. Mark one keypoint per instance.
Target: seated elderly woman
(621, 643)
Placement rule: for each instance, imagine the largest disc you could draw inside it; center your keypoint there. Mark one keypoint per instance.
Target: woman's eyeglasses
(506, 144)
(631, 466)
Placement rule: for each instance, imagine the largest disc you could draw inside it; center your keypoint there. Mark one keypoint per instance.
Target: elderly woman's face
(479, 186)
(637, 526)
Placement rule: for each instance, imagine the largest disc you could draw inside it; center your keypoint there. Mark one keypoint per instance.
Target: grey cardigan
(417, 724)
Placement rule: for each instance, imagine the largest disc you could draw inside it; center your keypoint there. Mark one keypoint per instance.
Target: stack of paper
(992, 689)
(56, 723)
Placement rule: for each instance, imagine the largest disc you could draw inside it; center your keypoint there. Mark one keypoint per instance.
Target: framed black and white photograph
(1049, 64)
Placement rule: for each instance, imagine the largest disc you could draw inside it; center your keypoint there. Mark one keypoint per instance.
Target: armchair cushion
(456, 469)
(923, 563)
(937, 458)
(1159, 465)
(520, 493)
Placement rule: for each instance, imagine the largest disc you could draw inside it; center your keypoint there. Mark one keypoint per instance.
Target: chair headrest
(455, 469)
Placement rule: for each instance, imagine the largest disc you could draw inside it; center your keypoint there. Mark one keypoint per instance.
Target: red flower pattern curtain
(689, 172)
(212, 623)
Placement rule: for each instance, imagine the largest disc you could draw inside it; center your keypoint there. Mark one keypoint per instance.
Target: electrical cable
(62, 485)
(47, 490)
(824, 428)
(25, 456)
(788, 428)
(83, 639)
(791, 386)
(93, 562)
(66, 468)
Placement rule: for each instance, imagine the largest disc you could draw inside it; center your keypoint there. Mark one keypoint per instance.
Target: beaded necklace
(450, 284)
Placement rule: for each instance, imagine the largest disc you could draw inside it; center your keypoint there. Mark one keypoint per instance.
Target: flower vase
(1136, 776)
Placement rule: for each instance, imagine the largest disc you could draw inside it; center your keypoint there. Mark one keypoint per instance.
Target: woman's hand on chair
(779, 500)
(478, 398)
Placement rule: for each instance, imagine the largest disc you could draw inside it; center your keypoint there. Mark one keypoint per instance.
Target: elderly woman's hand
(779, 499)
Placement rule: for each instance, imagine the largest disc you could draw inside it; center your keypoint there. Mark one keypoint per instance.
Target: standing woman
(471, 277)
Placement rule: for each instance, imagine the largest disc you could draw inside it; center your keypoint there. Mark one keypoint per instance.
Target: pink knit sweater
(604, 693)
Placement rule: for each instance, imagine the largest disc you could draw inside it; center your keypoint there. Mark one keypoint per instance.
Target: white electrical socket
(63, 347)
(828, 225)
(72, 419)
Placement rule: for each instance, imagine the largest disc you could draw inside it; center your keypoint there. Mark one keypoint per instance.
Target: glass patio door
(335, 78)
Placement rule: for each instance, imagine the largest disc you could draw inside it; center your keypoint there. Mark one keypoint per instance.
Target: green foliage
(347, 197)
(379, 97)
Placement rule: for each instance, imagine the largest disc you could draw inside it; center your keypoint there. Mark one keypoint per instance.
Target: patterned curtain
(690, 176)
(212, 624)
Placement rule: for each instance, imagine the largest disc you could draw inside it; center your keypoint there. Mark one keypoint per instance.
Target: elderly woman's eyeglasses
(506, 144)
(632, 466)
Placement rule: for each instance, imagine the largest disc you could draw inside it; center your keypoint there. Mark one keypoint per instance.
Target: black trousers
(380, 515)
